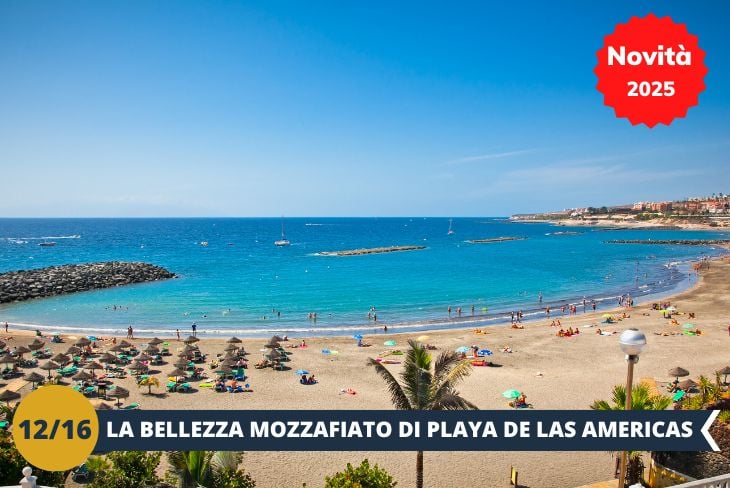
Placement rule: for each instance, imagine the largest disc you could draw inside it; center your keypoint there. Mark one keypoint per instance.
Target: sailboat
(451, 231)
(283, 241)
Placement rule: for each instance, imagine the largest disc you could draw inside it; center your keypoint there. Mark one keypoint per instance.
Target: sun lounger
(131, 406)
(80, 474)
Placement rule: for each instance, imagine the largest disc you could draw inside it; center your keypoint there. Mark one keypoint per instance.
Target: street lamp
(632, 342)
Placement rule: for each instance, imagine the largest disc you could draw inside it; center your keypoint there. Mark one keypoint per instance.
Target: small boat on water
(47, 244)
(283, 241)
(451, 231)
(204, 243)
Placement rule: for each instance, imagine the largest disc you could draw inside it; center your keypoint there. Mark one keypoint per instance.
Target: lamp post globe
(632, 342)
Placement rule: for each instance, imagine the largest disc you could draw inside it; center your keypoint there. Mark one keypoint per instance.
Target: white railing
(722, 481)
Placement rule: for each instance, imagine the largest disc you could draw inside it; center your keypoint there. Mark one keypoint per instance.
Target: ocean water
(234, 284)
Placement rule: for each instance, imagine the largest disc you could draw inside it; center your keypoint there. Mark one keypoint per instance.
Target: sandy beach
(554, 373)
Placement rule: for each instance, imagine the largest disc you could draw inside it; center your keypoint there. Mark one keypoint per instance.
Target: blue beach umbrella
(485, 352)
(302, 371)
(357, 337)
(326, 351)
(462, 349)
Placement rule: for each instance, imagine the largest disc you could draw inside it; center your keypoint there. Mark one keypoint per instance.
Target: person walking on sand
(195, 329)
(6, 327)
(177, 331)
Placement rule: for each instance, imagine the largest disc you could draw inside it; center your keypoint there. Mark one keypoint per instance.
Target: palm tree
(641, 399)
(426, 385)
(192, 468)
(149, 382)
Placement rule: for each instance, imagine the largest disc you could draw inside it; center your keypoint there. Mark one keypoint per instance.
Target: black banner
(387, 430)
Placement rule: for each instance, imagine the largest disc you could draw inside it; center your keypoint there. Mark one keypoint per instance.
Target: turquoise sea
(234, 284)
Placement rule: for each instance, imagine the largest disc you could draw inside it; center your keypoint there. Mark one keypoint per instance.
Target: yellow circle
(55, 428)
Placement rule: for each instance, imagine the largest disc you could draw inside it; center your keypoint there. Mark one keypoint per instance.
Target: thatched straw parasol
(224, 370)
(103, 406)
(272, 345)
(33, 377)
(231, 363)
(137, 366)
(155, 341)
(724, 371)
(234, 340)
(687, 384)
(126, 345)
(82, 342)
(230, 348)
(2, 345)
(117, 348)
(81, 376)
(49, 366)
(143, 357)
(22, 350)
(61, 358)
(277, 338)
(151, 350)
(190, 340)
(177, 372)
(273, 354)
(73, 350)
(181, 363)
(107, 358)
(677, 372)
(8, 396)
(7, 359)
(118, 393)
(36, 344)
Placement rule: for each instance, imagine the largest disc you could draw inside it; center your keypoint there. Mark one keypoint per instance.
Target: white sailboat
(283, 241)
(451, 231)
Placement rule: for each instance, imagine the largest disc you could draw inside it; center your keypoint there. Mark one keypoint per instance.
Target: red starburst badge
(650, 70)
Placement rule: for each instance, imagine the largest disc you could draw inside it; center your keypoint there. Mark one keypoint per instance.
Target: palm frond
(452, 401)
(397, 395)
(416, 376)
(454, 372)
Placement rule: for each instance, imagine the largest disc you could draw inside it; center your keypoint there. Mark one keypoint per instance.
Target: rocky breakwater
(16, 286)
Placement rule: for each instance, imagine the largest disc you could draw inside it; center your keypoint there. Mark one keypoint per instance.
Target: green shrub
(12, 464)
(724, 417)
(129, 469)
(363, 476)
(233, 478)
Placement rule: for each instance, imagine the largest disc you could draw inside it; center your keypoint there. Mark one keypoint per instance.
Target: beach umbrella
(81, 376)
(103, 406)
(7, 359)
(82, 342)
(485, 352)
(189, 349)
(511, 394)
(22, 350)
(687, 384)
(230, 348)
(33, 377)
(326, 351)
(688, 326)
(231, 363)
(234, 340)
(462, 349)
(49, 366)
(150, 349)
(273, 354)
(36, 344)
(277, 338)
(677, 372)
(724, 371)
(61, 358)
(125, 344)
(177, 372)
(143, 357)
(357, 337)
(2, 345)
(137, 366)
(422, 338)
(73, 350)
(155, 341)
(224, 370)
(116, 348)
(8, 396)
(302, 371)
(272, 345)
(118, 392)
(182, 364)
(190, 340)
(92, 366)
(107, 358)
(389, 343)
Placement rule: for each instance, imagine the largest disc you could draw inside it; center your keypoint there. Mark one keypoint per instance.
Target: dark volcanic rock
(17, 286)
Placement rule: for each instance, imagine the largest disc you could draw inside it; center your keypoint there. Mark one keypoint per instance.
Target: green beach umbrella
(688, 326)
(511, 394)
(389, 343)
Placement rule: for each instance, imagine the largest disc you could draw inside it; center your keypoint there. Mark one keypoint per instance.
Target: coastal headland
(371, 250)
(674, 242)
(17, 286)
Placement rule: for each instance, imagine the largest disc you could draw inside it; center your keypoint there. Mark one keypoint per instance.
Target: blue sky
(154, 108)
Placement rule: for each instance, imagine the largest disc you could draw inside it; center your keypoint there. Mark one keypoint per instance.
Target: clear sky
(212, 108)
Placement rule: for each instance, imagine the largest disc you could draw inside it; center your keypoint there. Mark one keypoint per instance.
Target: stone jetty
(372, 250)
(16, 286)
(494, 239)
(675, 242)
